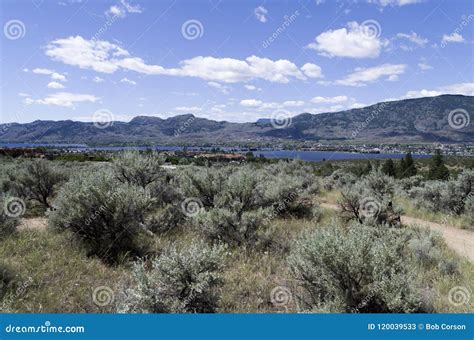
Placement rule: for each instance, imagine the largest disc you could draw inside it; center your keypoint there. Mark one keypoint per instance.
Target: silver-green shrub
(105, 215)
(138, 169)
(8, 223)
(357, 269)
(181, 280)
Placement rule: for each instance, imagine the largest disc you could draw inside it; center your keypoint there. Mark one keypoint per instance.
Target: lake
(310, 156)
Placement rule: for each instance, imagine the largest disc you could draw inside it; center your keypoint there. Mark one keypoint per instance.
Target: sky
(227, 60)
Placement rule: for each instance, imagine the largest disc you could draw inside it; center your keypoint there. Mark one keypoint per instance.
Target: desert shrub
(181, 280)
(404, 185)
(105, 215)
(7, 279)
(8, 224)
(339, 179)
(165, 219)
(138, 169)
(36, 180)
(359, 269)
(370, 201)
(470, 209)
(447, 196)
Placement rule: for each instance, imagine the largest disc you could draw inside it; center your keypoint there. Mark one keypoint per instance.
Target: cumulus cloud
(64, 99)
(262, 106)
(261, 14)
(361, 76)
(106, 57)
(466, 89)
(452, 38)
(355, 41)
(252, 88)
(384, 3)
(97, 79)
(188, 109)
(424, 66)
(312, 70)
(413, 38)
(222, 88)
(54, 75)
(55, 85)
(128, 81)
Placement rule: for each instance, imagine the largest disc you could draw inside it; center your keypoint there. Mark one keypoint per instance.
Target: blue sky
(228, 60)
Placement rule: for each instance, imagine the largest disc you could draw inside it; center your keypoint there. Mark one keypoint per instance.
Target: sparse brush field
(133, 236)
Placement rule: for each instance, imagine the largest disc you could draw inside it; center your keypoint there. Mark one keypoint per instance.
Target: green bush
(359, 269)
(8, 223)
(37, 180)
(138, 169)
(106, 215)
(181, 280)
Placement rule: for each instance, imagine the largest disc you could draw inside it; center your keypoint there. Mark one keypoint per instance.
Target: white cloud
(329, 100)
(466, 89)
(128, 81)
(312, 70)
(121, 10)
(252, 88)
(262, 106)
(253, 103)
(188, 109)
(455, 37)
(55, 85)
(354, 42)
(64, 99)
(424, 66)
(54, 75)
(222, 88)
(105, 57)
(361, 76)
(21, 94)
(261, 14)
(97, 79)
(413, 38)
(384, 3)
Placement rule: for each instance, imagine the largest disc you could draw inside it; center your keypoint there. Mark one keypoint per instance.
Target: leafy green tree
(388, 168)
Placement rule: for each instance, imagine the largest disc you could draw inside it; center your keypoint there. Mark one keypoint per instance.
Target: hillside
(410, 120)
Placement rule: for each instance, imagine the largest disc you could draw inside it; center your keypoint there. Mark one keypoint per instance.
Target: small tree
(138, 169)
(104, 214)
(181, 280)
(388, 168)
(37, 181)
(437, 170)
(410, 167)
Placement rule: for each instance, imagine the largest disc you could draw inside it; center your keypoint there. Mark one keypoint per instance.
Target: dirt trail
(460, 240)
(38, 223)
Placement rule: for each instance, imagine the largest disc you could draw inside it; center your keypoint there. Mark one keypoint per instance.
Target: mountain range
(444, 119)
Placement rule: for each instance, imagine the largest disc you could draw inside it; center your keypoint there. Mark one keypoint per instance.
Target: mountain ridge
(409, 120)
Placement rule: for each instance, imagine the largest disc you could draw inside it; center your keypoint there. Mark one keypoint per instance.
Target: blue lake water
(311, 156)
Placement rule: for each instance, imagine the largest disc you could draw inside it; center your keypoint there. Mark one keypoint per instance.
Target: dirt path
(38, 223)
(460, 240)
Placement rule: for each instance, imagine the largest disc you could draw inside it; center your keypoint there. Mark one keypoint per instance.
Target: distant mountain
(431, 119)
